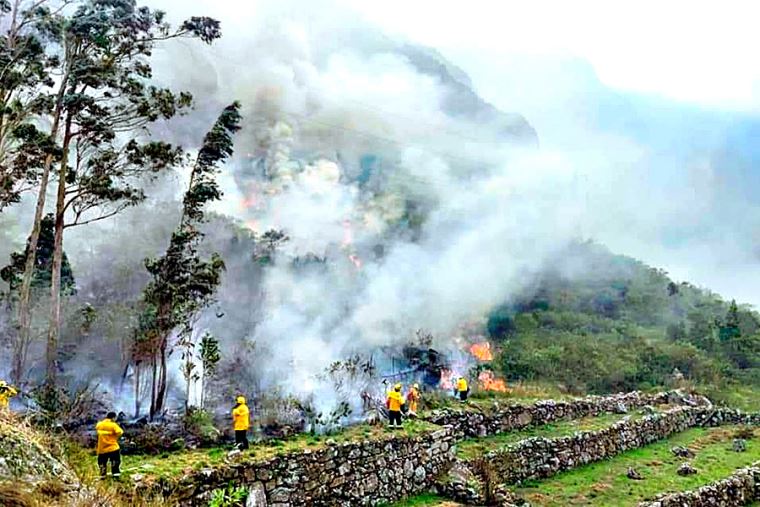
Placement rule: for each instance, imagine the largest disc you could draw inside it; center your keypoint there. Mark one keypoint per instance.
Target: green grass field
(474, 447)
(605, 483)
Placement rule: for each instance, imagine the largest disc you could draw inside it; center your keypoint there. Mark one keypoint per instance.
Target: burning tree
(184, 284)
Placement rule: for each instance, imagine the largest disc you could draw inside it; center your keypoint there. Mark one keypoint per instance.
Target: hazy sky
(699, 51)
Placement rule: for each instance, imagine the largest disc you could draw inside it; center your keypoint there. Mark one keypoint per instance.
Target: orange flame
(356, 261)
(447, 380)
(488, 381)
(482, 351)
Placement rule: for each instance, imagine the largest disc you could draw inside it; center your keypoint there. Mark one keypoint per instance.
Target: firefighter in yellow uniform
(108, 445)
(6, 393)
(394, 403)
(413, 397)
(462, 389)
(241, 422)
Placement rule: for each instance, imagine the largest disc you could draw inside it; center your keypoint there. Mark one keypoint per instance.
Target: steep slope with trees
(600, 322)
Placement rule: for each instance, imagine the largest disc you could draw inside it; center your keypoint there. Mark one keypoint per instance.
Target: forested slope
(595, 321)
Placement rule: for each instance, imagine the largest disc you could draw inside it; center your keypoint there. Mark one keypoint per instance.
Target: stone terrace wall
(741, 488)
(381, 471)
(514, 417)
(722, 416)
(542, 457)
(362, 473)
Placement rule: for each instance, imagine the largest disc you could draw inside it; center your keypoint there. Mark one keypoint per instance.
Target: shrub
(200, 424)
(233, 496)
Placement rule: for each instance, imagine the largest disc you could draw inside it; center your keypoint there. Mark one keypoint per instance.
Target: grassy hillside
(598, 322)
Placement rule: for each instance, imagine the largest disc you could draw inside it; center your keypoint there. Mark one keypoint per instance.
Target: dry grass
(14, 424)
(11, 495)
(91, 492)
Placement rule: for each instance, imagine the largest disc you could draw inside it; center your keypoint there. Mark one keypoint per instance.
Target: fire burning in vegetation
(488, 382)
(447, 380)
(482, 351)
(355, 260)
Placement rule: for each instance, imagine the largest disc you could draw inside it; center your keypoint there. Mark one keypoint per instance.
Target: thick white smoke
(426, 210)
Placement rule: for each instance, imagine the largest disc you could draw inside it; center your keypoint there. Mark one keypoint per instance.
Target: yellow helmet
(416, 386)
(3, 383)
(397, 387)
(240, 400)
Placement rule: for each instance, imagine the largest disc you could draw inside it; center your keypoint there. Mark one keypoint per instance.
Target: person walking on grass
(241, 422)
(109, 433)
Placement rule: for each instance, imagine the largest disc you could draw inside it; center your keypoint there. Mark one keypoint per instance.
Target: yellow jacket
(108, 436)
(461, 385)
(395, 400)
(6, 394)
(413, 397)
(241, 419)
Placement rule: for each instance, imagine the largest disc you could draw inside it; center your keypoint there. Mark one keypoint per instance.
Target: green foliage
(182, 282)
(730, 329)
(423, 500)
(200, 424)
(623, 326)
(24, 84)
(12, 273)
(210, 355)
(267, 244)
(500, 323)
(109, 103)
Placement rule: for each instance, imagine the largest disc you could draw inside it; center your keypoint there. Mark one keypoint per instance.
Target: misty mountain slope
(599, 322)
(463, 100)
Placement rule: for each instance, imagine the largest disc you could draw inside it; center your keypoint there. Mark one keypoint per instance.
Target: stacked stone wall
(741, 488)
(542, 457)
(501, 419)
(362, 473)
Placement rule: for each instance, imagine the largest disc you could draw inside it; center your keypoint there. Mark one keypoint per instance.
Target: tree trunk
(161, 388)
(153, 381)
(54, 327)
(187, 391)
(23, 337)
(137, 390)
(202, 386)
(25, 293)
